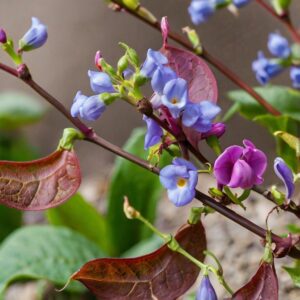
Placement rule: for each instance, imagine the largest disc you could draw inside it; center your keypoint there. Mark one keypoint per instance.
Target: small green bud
(139, 79)
(122, 64)
(132, 4)
(107, 68)
(109, 98)
(129, 211)
(145, 13)
(194, 39)
(131, 55)
(281, 6)
(296, 54)
(278, 196)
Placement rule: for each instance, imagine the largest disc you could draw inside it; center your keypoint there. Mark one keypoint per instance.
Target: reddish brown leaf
(201, 81)
(39, 184)
(262, 286)
(163, 274)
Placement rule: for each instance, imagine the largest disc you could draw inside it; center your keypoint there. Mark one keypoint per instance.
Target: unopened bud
(3, 38)
(217, 129)
(129, 211)
(23, 72)
(98, 57)
(165, 28)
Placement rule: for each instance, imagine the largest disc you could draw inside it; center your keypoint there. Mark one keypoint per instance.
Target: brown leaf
(262, 286)
(201, 81)
(162, 275)
(39, 184)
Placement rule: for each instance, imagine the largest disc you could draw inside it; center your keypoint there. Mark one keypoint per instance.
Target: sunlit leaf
(39, 184)
(294, 272)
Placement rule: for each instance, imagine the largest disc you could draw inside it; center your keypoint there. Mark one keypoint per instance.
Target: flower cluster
(267, 68)
(171, 92)
(201, 10)
(91, 108)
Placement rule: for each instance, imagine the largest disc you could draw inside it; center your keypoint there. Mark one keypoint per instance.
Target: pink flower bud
(3, 38)
(164, 25)
(98, 57)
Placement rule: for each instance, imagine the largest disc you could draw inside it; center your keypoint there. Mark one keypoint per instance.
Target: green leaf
(285, 99)
(144, 247)
(293, 228)
(283, 123)
(291, 140)
(18, 109)
(143, 190)
(44, 252)
(294, 272)
(79, 215)
(10, 219)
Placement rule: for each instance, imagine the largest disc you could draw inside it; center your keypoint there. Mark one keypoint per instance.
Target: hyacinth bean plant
(180, 116)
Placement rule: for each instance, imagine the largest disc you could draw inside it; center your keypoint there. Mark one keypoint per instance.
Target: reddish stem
(284, 18)
(92, 137)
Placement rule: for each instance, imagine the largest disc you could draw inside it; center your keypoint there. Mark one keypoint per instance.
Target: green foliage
(10, 219)
(44, 252)
(80, 216)
(18, 109)
(146, 246)
(293, 228)
(294, 272)
(287, 101)
(143, 190)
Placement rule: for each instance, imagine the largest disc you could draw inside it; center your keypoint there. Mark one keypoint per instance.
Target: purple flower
(240, 3)
(35, 37)
(154, 132)
(200, 116)
(217, 129)
(295, 76)
(175, 96)
(153, 61)
(240, 167)
(279, 45)
(180, 180)
(88, 108)
(265, 69)
(128, 73)
(201, 10)
(206, 290)
(3, 38)
(285, 174)
(100, 82)
(159, 79)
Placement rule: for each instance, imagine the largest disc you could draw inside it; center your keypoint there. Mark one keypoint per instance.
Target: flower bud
(3, 38)
(206, 290)
(217, 129)
(165, 28)
(98, 57)
(279, 45)
(35, 37)
(295, 76)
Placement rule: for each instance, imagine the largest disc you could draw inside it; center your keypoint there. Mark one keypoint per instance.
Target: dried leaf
(162, 274)
(262, 286)
(39, 184)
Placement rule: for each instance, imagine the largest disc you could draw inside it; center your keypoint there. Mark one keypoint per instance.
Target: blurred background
(77, 29)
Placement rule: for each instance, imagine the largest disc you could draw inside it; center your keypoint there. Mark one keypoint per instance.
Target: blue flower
(240, 3)
(201, 10)
(200, 116)
(265, 69)
(88, 108)
(154, 132)
(180, 180)
(279, 45)
(206, 290)
(159, 79)
(153, 61)
(35, 37)
(285, 174)
(175, 96)
(295, 76)
(100, 82)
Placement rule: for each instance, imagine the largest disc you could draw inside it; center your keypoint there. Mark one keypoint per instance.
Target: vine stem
(92, 137)
(284, 18)
(207, 56)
